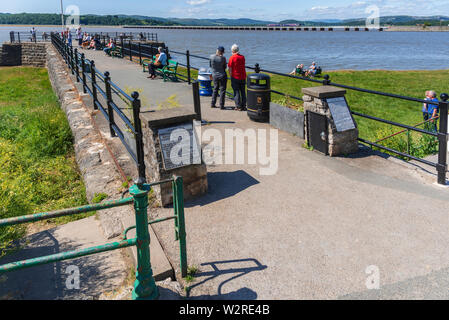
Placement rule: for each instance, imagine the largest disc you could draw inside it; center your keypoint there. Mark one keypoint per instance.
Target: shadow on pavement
(48, 281)
(241, 294)
(224, 185)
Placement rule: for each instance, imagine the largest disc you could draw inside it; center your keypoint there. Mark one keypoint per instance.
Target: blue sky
(257, 9)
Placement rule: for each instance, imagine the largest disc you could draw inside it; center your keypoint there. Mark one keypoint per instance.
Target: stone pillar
(315, 100)
(194, 175)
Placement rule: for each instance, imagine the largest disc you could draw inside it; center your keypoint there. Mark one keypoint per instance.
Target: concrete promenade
(311, 230)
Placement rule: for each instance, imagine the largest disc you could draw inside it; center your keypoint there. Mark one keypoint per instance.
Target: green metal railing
(144, 287)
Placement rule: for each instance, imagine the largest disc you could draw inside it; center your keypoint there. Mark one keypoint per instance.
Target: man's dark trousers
(219, 84)
(239, 87)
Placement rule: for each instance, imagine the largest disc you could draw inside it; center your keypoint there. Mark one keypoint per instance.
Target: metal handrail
(144, 285)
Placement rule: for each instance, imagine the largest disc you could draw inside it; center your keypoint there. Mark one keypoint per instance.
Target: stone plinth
(194, 176)
(339, 143)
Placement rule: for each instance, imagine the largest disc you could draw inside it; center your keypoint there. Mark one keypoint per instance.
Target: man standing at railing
(218, 65)
(432, 110)
(238, 77)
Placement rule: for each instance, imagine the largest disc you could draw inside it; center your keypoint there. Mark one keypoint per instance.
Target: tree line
(55, 19)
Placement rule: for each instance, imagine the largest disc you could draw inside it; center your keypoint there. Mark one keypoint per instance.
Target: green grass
(407, 83)
(38, 171)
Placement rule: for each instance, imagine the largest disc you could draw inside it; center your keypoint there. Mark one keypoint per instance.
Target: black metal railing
(44, 36)
(130, 50)
(19, 37)
(99, 85)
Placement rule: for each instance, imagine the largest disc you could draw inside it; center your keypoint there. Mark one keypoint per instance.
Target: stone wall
(339, 143)
(24, 54)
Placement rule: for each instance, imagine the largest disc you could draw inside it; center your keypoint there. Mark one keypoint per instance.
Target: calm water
(282, 50)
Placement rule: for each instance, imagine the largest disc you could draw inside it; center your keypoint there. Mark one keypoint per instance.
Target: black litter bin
(259, 97)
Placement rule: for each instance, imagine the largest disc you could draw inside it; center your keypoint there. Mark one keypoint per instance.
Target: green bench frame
(168, 72)
(117, 52)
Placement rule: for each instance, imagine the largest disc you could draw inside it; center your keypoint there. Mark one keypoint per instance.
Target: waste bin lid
(258, 76)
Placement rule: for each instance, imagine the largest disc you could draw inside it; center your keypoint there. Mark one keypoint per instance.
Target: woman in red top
(237, 71)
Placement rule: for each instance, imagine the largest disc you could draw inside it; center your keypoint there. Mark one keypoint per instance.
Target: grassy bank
(38, 171)
(407, 83)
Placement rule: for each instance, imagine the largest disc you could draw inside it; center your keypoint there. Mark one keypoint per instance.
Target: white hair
(235, 48)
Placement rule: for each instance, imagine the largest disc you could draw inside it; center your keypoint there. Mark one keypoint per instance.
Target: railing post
(180, 225)
(326, 80)
(130, 52)
(107, 82)
(140, 54)
(11, 36)
(77, 66)
(189, 79)
(442, 140)
(83, 70)
(72, 59)
(257, 68)
(197, 100)
(139, 138)
(18, 36)
(94, 82)
(145, 286)
(123, 47)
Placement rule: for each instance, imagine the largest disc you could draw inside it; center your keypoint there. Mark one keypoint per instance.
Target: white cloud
(197, 2)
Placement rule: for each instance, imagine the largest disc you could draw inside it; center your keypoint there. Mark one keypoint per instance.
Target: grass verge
(38, 172)
(406, 83)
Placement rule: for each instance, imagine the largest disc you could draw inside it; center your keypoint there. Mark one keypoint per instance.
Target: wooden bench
(167, 72)
(117, 52)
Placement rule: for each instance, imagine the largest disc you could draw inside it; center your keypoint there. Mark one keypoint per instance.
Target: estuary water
(282, 50)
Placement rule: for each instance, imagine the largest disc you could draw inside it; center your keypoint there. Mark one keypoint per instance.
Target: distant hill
(90, 19)
(135, 20)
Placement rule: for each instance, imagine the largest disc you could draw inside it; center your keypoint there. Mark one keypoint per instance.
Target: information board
(341, 114)
(179, 146)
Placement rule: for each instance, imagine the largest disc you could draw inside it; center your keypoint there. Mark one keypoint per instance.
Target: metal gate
(317, 131)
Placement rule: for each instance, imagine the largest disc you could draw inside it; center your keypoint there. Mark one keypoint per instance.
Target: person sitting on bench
(86, 41)
(159, 63)
(110, 46)
(312, 70)
(299, 70)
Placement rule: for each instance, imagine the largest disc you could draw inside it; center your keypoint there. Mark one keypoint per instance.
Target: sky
(271, 10)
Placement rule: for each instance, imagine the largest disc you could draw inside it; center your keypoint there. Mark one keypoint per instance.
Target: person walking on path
(79, 37)
(218, 65)
(159, 63)
(237, 71)
(69, 37)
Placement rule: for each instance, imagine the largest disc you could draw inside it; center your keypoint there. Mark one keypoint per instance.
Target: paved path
(311, 230)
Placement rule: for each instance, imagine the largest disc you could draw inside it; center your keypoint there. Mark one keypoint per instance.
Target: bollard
(326, 80)
(442, 140)
(145, 286)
